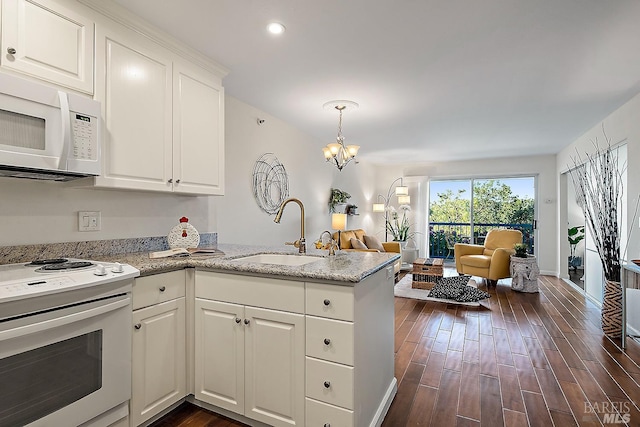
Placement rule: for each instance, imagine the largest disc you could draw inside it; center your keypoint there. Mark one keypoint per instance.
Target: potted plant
(338, 197)
(521, 250)
(598, 184)
(576, 235)
(400, 229)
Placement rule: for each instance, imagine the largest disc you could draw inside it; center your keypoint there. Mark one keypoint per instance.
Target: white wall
(544, 167)
(310, 179)
(623, 125)
(47, 212)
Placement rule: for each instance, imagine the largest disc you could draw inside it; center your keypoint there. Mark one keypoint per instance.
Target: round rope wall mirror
(270, 183)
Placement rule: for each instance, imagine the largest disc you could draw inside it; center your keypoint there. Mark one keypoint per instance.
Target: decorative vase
(403, 243)
(612, 309)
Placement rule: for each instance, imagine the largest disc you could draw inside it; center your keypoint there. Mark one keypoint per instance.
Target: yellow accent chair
(491, 260)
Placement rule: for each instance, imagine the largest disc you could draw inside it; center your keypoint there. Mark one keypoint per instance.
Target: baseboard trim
(385, 404)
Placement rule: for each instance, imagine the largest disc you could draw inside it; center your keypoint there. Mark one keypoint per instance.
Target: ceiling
(436, 80)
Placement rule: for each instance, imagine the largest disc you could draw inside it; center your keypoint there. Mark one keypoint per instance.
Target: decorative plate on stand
(183, 235)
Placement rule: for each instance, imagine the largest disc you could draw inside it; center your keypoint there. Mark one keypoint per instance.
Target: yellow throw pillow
(373, 242)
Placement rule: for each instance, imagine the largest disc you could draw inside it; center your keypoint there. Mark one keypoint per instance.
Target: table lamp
(339, 222)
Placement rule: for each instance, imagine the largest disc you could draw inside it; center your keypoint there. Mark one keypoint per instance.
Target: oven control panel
(35, 286)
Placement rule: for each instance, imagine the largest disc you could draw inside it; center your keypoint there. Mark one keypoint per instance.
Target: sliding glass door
(465, 210)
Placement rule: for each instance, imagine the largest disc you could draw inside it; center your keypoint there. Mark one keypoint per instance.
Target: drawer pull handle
(162, 289)
(247, 321)
(327, 384)
(238, 320)
(327, 341)
(327, 302)
(137, 326)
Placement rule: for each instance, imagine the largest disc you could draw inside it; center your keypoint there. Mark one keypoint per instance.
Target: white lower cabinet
(250, 360)
(158, 347)
(281, 352)
(349, 352)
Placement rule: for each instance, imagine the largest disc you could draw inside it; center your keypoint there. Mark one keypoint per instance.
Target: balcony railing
(444, 235)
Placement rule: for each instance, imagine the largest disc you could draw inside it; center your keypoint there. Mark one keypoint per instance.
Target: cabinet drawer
(320, 414)
(330, 382)
(330, 339)
(149, 290)
(332, 301)
(285, 295)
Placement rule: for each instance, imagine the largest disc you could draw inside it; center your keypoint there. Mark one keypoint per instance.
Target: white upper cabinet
(164, 117)
(46, 40)
(198, 131)
(134, 85)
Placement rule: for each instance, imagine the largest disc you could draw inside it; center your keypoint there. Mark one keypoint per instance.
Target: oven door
(67, 365)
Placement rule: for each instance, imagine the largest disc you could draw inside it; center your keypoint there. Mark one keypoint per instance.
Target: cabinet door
(198, 131)
(133, 83)
(50, 42)
(219, 354)
(274, 367)
(159, 370)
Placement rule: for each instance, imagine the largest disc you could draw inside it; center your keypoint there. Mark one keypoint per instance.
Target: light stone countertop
(346, 266)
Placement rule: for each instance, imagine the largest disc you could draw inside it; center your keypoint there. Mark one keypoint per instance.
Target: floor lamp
(402, 192)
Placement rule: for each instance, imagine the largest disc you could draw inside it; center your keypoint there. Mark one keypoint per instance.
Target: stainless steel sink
(279, 259)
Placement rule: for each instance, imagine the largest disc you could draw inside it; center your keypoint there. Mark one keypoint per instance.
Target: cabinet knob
(177, 181)
(327, 302)
(137, 325)
(162, 288)
(327, 425)
(327, 341)
(11, 51)
(247, 321)
(238, 320)
(327, 384)
(170, 180)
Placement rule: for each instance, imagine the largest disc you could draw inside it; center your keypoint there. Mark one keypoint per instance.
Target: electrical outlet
(89, 221)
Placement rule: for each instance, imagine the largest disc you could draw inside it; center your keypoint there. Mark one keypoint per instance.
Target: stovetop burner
(73, 265)
(47, 261)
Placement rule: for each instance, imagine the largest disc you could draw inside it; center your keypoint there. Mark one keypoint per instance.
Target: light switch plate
(89, 221)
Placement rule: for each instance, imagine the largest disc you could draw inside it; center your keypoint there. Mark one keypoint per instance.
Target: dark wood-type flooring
(519, 360)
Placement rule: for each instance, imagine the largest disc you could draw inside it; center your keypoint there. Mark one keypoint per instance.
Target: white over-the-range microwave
(46, 133)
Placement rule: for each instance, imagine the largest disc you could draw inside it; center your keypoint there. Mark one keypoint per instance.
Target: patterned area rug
(403, 289)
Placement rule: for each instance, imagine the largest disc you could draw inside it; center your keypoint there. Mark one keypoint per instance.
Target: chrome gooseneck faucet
(300, 243)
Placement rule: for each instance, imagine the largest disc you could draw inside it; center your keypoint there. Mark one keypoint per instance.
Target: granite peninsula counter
(223, 333)
(325, 326)
(348, 267)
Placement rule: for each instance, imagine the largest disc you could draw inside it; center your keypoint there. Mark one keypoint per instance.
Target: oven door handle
(66, 319)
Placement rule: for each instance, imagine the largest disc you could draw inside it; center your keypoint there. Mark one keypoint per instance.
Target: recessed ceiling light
(275, 28)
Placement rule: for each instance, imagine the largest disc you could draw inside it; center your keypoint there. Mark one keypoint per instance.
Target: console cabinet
(158, 346)
(46, 40)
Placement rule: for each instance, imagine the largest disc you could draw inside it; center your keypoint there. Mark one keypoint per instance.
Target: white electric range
(65, 342)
